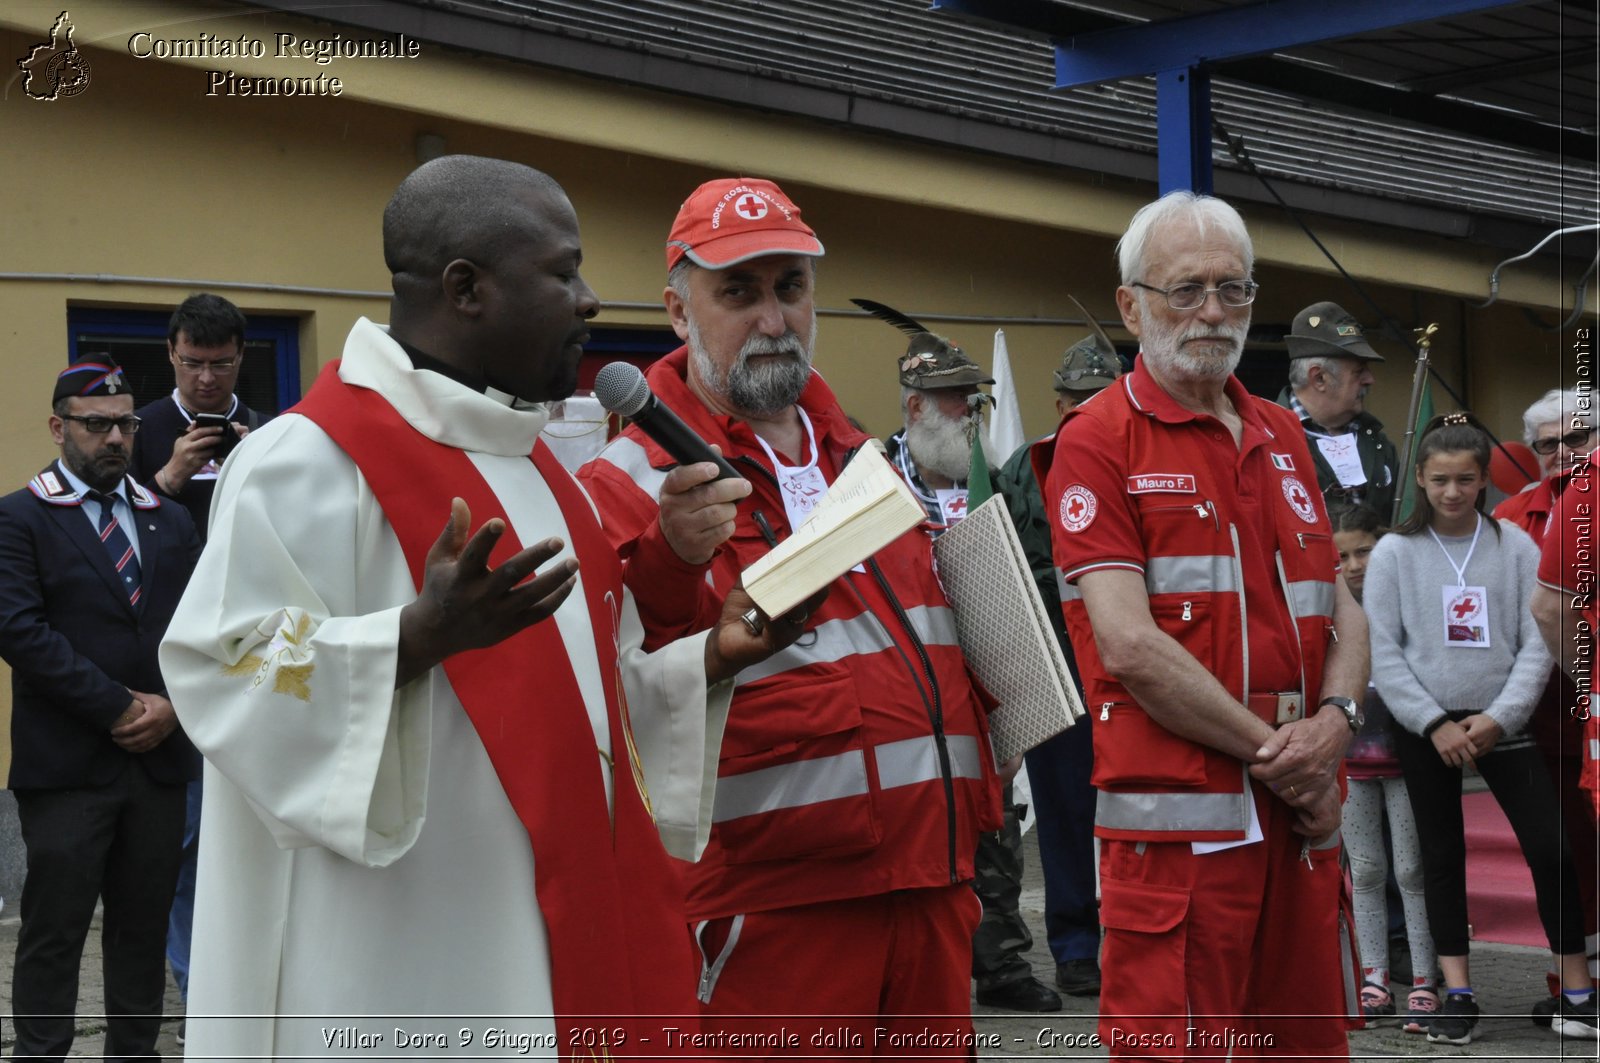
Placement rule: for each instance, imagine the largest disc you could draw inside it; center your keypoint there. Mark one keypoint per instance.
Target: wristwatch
(1352, 712)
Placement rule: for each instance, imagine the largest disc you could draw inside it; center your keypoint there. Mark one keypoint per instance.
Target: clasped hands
(145, 723)
(1300, 763)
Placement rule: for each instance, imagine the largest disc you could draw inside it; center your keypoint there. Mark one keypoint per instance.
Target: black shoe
(1079, 978)
(1025, 994)
(1456, 1020)
(1577, 1020)
(1543, 1012)
(182, 1030)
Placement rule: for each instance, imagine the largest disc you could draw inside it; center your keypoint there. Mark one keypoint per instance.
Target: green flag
(979, 488)
(1408, 482)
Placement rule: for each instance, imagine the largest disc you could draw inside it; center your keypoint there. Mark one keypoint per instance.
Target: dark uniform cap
(90, 375)
(930, 361)
(1327, 330)
(1086, 367)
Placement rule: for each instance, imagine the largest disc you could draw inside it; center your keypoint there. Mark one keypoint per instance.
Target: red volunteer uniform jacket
(1567, 565)
(856, 761)
(1237, 556)
(1530, 509)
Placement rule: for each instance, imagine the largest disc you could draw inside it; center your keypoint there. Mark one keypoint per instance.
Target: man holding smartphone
(185, 437)
(178, 451)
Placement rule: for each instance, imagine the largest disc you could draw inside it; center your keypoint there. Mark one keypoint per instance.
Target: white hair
(1300, 369)
(1202, 211)
(1565, 406)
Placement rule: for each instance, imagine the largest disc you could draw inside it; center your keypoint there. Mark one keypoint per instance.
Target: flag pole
(1419, 380)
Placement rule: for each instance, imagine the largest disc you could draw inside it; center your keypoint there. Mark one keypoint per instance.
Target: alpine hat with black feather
(930, 361)
(1090, 364)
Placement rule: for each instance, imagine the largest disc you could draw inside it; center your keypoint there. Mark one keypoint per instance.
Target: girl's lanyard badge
(801, 486)
(1466, 609)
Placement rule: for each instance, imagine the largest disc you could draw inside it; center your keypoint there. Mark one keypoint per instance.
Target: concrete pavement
(1508, 978)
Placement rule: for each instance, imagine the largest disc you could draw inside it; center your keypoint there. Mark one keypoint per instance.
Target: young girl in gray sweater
(1458, 660)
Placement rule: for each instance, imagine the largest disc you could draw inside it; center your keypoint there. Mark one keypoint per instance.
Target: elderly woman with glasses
(1560, 428)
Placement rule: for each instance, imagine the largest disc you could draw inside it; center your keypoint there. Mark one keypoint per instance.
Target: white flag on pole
(1004, 429)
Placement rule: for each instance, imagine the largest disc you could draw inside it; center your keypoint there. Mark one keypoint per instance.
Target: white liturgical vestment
(365, 887)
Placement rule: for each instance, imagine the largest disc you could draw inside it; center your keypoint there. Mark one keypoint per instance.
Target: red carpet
(1499, 889)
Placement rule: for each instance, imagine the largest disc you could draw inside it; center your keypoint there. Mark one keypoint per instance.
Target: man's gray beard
(939, 443)
(765, 388)
(1165, 347)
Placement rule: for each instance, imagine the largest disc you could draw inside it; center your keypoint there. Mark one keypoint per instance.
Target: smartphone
(230, 434)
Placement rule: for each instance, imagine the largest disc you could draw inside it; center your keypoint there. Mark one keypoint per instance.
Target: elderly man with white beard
(855, 772)
(942, 410)
(1223, 656)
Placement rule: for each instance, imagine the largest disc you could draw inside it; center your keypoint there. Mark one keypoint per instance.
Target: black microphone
(622, 390)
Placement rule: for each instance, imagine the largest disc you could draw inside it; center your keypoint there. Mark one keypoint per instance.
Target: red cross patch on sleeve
(1078, 507)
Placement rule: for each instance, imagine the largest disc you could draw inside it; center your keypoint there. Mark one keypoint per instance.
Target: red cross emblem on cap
(751, 207)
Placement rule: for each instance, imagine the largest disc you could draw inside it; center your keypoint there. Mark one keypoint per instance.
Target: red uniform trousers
(1238, 951)
(882, 976)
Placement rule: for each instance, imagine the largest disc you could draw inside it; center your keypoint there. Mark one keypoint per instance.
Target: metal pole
(1419, 380)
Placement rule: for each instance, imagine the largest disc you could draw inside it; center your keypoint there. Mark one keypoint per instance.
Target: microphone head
(621, 388)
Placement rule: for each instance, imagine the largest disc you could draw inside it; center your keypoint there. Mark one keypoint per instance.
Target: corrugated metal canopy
(896, 66)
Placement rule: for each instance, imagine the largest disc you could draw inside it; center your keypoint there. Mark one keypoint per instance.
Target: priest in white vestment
(366, 888)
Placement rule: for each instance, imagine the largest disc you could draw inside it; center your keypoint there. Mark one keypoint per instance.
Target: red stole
(619, 944)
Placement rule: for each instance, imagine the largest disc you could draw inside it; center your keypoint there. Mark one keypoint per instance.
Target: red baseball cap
(732, 219)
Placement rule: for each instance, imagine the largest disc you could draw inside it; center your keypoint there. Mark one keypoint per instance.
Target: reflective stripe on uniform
(861, 634)
(1310, 597)
(804, 782)
(1184, 574)
(1189, 574)
(915, 760)
(809, 782)
(630, 457)
(1169, 812)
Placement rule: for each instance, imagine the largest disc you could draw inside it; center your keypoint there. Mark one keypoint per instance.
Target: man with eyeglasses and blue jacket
(91, 569)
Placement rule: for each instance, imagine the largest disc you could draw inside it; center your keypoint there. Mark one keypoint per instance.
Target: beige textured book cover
(1004, 631)
(866, 508)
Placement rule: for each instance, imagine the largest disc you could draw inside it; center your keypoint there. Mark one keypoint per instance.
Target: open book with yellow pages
(868, 507)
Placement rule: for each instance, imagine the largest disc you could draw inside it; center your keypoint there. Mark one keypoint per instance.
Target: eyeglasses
(1193, 296)
(220, 367)
(1572, 441)
(101, 425)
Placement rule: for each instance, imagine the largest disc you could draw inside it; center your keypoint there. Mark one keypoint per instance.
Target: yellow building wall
(143, 176)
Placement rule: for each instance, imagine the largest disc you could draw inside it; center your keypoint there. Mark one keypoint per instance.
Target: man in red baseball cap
(856, 771)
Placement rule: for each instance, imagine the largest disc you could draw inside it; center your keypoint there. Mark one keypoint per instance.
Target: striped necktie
(118, 544)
